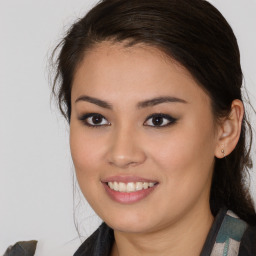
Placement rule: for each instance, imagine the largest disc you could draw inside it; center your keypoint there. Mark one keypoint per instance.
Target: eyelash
(170, 119)
(84, 118)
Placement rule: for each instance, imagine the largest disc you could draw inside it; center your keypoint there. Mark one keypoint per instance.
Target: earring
(223, 151)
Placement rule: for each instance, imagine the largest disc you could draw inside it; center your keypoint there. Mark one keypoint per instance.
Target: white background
(36, 190)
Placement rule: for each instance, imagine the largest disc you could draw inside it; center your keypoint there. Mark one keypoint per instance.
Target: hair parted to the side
(195, 34)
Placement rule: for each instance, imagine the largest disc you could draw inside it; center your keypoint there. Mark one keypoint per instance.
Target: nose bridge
(124, 150)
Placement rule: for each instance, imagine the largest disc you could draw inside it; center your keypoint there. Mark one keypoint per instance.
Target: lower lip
(128, 198)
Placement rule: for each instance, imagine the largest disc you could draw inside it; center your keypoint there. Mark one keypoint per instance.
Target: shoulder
(248, 242)
(231, 236)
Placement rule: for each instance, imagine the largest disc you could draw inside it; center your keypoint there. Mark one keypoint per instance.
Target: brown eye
(97, 119)
(159, 120)
(94, 120)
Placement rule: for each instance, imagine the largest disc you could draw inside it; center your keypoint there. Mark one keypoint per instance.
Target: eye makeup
(159, 120)
(94, 120)
(156, 120)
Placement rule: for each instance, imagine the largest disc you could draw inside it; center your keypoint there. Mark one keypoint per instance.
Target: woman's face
(142, 137)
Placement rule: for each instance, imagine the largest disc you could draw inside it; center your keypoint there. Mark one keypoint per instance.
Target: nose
(125, 149)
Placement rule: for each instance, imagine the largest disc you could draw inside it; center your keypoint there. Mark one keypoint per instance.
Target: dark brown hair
(195, 34)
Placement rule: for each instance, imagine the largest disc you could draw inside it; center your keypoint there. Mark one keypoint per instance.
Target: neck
(184, 237)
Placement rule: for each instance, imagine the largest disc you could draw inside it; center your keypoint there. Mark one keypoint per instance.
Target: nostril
(123, 163)
(130, 158)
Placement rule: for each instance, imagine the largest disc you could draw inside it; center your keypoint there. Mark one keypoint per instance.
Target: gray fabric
(23, 248)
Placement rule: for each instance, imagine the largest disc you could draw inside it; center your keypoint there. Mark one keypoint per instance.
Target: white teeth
(130, 186)
(116, 186)
(145, 185)
(111, 185)
(151, 184)
(122, 187)
(139, 186)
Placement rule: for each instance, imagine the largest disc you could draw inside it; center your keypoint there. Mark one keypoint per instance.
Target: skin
(180, 156)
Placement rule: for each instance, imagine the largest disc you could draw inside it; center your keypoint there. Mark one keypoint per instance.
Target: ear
(229, 130)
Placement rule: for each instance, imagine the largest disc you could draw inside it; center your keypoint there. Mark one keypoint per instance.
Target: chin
(130, 227)
(131, 223)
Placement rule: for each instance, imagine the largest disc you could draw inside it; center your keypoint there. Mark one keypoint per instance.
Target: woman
(152, 92)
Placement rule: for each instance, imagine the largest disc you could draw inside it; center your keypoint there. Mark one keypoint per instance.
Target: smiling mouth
(130, 186)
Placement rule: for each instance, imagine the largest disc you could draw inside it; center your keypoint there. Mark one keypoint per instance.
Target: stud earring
(223, 151)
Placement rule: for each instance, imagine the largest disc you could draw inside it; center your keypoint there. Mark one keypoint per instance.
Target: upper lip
(126, 179)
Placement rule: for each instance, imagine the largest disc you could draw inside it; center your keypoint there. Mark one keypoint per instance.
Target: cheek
(185, 162)
(85, 151)
(186, 153)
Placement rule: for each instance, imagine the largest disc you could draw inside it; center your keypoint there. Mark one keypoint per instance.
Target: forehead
(140, 71)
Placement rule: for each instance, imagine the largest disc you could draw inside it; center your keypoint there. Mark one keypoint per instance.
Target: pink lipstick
(128, 189)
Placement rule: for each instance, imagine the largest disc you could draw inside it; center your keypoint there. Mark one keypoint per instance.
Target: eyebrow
(159, 100)
(142, 104)
(95, 101)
